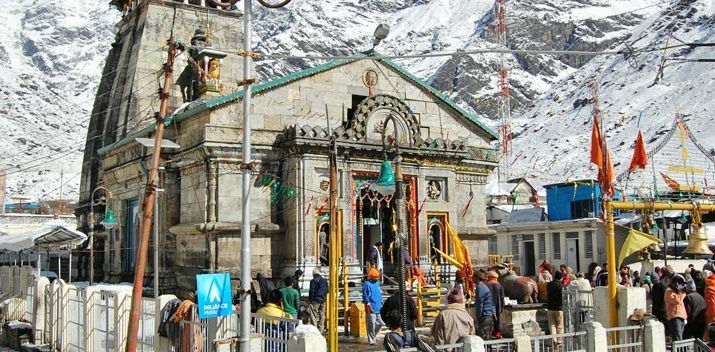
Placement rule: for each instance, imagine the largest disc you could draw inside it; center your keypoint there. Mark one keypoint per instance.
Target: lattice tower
(504, 95)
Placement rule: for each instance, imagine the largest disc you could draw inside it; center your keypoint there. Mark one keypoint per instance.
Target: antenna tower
(504, 103)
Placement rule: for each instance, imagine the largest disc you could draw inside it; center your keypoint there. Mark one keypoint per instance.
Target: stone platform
(524, 319)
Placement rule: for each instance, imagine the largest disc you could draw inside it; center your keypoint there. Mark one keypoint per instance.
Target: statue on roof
(192, 76)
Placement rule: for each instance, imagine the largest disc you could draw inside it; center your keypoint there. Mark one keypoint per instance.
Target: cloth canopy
(53, 234)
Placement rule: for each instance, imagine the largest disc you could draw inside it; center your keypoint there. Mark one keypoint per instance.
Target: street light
(381, 33)
(383, 185)
(108, 223)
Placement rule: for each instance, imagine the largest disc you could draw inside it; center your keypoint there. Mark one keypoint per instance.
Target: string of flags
(279, 190)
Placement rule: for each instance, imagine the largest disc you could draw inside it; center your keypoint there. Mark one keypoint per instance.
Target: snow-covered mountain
(55, 53)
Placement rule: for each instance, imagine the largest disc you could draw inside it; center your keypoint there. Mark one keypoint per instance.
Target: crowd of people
(684, 302)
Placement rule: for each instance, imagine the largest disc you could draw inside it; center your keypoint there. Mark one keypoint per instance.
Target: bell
(698, 242)
(385, 183)
(109, 222)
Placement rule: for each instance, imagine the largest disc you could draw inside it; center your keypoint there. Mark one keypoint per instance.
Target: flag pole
(606, 198)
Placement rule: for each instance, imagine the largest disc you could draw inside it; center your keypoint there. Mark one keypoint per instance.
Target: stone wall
(204, 219)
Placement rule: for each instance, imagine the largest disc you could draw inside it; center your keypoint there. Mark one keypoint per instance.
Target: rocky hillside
(55, 52)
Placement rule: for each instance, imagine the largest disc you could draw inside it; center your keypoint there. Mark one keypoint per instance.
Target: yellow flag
(635, 241)
(461, 253)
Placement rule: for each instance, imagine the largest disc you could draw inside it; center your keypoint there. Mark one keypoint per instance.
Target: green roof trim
(367, 55)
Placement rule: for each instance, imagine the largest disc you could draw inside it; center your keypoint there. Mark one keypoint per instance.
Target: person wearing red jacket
(710, 302)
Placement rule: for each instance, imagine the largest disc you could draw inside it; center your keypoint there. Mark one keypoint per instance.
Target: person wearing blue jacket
(316, 296)
(486, 312)
(372, 298)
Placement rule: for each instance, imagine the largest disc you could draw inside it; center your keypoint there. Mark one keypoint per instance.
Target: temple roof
(197, 107)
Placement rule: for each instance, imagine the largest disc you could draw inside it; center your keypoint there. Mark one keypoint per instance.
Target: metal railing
(570, 341)
(103, 320)
(146, 325)
(500, 345)
(578, 308)
(73, 319)
(690, 345)
(275, 331)
(626, 339)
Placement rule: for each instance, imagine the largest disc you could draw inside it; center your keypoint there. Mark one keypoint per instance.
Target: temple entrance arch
(436, 225)
(375, 220)
(370, 117)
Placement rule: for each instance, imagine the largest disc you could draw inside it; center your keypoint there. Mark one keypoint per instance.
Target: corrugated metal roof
(259, 88)
(51, 235)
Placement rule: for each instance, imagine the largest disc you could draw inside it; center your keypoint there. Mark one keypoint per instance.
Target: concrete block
(654, 336)
(523, 343)
(309, 342)
(472, 344)
(596, 338)
(601, 305)
(630, 298)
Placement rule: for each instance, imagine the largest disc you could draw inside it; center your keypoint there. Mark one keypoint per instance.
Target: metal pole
(611, 257)
(244, 338)
(333, 256)
(665, 243)
(149, 196)
(156, 246)
(399, 238)
(90, 221)
(91, 238)
(400, 234)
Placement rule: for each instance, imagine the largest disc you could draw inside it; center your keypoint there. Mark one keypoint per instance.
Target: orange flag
(673, 184)
(461, 255)
(607, 177)
(596, 151)
(640, 158)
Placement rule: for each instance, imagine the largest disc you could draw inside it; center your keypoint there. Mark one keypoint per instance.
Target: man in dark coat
(657, 297)
(393, 303)
(317, 294)
(695, 308)
(554, 307)
(697, 276)
(497, 298)
(485, 310)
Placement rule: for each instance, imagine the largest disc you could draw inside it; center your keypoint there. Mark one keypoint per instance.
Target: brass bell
(698, 242)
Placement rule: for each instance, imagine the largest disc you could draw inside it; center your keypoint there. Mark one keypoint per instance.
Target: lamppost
(108, 223)
(391, 183)
(244, 336)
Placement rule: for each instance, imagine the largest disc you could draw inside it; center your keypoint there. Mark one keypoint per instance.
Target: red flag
(596, 145)
(707, 187)
(310, 206)
(640, 158)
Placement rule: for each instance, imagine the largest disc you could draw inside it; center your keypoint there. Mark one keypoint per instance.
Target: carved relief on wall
(370, 78)
(370, 117)
(434, 189)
